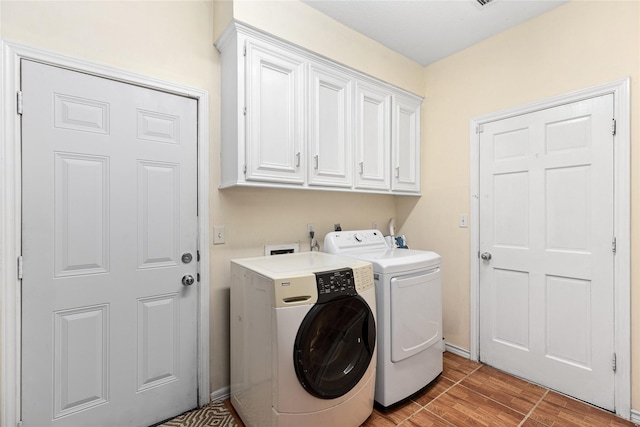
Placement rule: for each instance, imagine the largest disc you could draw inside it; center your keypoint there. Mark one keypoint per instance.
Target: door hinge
(244, 51)
(614, 245)
(20, 267)
(479, 128)
(613, 126)
(244, 111)
(198, 277)
(19, 102)
(198, 256)
(244, 170)
(614, 362)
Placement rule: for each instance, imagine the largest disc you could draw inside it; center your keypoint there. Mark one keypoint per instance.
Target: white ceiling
(426, 31)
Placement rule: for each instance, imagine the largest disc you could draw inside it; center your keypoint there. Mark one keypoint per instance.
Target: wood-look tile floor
(471, 394)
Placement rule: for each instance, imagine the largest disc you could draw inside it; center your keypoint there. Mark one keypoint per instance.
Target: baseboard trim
(457, 350)
(635, 416)
(221, 394)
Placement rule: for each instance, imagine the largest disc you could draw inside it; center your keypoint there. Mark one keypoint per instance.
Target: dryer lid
(398, 260)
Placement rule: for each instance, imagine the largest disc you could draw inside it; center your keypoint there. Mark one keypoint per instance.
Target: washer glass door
(334, 346)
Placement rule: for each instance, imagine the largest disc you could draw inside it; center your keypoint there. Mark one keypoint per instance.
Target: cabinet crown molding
(238, 27)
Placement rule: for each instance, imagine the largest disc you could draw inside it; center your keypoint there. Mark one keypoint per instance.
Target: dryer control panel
(357, 240)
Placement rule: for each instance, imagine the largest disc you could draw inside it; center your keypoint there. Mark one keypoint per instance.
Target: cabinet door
(373, 113)
(405, 142)
(274, 115)
(330, 128)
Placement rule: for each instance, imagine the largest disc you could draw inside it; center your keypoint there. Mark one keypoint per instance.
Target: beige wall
(578, 45)
(302, 25)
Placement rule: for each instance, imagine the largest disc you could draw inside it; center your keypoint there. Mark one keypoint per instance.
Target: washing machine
(303, 340)
(409, 299)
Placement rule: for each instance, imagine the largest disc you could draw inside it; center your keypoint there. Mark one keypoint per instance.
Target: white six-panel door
(546, 232)
(109, 208)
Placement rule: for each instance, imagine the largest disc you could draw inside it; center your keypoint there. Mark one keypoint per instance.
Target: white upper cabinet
(405, 143)
(373, 138)
(294, 119)
(274, 116)
(330, 128)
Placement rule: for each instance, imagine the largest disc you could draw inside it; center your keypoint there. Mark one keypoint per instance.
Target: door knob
(188, 280)
(485, 256)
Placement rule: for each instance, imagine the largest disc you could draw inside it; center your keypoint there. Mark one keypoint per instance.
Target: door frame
(11, 214)
(622, 225)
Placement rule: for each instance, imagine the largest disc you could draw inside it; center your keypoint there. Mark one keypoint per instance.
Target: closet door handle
(298, 159)
(316, 160)
(361, 168)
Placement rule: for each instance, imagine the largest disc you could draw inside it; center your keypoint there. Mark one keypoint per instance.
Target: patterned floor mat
(216, 414)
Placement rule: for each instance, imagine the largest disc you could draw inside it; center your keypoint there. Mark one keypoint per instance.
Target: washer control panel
(343, 282)
(345, 241)
(363, 276)
(335, 284)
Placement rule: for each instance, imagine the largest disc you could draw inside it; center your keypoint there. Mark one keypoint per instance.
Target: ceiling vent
(484, 2)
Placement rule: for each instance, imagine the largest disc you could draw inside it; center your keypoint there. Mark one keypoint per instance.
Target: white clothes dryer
(409, 299)
(303, 340)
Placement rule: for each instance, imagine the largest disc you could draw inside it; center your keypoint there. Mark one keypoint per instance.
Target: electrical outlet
(218, 234)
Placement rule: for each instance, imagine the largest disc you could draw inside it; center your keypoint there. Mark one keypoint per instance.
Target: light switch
(464, 221)
(218, 234)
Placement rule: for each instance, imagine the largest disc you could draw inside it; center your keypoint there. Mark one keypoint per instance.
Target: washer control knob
(358, 237)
